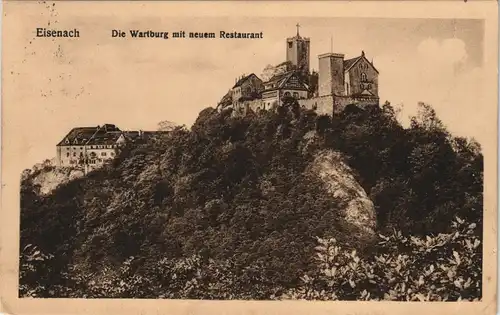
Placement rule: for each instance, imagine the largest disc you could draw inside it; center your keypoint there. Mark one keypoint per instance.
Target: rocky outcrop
(358, 209)
(49, 177)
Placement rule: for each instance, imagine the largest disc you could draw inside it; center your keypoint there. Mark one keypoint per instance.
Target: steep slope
(254, 192)
(358, 209)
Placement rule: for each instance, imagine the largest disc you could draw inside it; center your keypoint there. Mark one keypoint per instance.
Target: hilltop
(246, 198)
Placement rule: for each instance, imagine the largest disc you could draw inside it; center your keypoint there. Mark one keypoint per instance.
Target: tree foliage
(231, 197)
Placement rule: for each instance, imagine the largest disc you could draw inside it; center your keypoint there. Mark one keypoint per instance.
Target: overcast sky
(134, 84)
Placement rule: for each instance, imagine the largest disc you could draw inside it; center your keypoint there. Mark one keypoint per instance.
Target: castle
(89, 148)
(338, 83)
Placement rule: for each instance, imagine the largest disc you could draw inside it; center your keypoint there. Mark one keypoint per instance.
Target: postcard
(249, 157)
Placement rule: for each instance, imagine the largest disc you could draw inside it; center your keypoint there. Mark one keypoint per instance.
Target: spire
(363, 53)
(298, 25)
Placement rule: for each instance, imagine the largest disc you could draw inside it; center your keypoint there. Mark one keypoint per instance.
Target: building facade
(88, 148)
(247, 89)
(282, 86)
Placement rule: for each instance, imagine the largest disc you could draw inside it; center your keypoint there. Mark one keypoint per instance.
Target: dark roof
(349, 63)
(280, 79)
(104, 138)
(78, 135)
(106, 134)
(109, 127)
(242, 80)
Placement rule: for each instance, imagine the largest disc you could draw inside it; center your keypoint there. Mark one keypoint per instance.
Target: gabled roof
(244, 79)
(104, 138)
(78, 135)
(280, 80)
(349, 63)
(103, 135)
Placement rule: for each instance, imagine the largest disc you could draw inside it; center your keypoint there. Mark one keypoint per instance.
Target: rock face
(338, 177)
(50, 178)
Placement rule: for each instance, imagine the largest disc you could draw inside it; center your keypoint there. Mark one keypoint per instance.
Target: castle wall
(242, 108)
(323, 105)
(343, 101)
(255, 105)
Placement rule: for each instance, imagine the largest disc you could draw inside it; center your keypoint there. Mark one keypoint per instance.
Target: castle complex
(338, 83)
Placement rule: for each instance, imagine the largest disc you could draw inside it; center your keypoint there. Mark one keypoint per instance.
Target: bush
(446, 267)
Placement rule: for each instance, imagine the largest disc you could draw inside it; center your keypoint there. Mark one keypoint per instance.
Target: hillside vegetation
(249, 207)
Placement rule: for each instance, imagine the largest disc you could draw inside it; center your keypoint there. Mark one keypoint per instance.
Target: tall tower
(297, 51)
(331, 74)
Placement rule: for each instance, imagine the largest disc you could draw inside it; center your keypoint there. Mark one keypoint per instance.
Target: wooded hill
(235, 194)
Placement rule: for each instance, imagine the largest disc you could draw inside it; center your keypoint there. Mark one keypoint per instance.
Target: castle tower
(297, 52)
(331, 74)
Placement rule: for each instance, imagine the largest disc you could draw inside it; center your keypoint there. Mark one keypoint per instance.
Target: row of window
(295, 94)
(109, 146)
(362, 86)
(81, 154)
(363, 66)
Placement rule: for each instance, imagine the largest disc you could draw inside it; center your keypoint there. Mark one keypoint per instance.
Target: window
(290, 45)
(369, 86)
(81, 148)
(112, 153)
(74, 153)
(103, 153)
(295, 94)
(363, 76)
(287, 94)
(67, 154)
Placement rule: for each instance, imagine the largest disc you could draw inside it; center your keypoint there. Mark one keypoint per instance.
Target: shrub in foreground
(446, 267)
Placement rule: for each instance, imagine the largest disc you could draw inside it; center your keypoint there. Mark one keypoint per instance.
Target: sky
(56, 85)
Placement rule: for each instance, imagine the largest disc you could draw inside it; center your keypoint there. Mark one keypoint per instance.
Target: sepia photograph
(154, 155)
